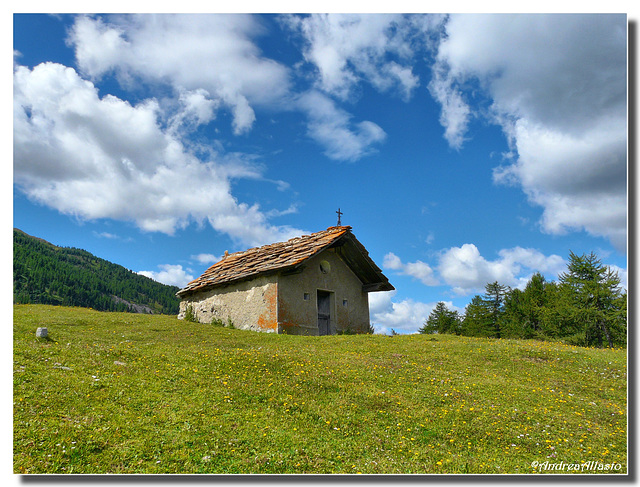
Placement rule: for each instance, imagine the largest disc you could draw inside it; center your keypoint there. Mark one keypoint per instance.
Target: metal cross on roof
(339, 217)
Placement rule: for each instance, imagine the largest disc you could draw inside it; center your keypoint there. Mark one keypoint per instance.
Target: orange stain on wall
(269, 319)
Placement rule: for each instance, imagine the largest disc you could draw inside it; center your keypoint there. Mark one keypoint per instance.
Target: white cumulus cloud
(206, 258)
(346, 49)
(212, 63)
(332, 128)
(405, 316)
(95, 157)
(467, 271)
(418, 269)
(558, 88)
(172, 275)
(189, 52)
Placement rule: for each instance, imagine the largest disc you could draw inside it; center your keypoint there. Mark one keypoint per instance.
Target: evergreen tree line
(586, 307)
(46, 274)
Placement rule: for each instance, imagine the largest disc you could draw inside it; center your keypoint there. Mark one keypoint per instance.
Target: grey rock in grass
(42, 332)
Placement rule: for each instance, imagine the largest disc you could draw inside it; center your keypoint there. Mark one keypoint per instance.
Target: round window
(325, 267)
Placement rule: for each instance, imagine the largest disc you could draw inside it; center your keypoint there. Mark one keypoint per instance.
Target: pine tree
(596, 299)
(495, 294)
(441, 320)
(523, 310)
(477, 319)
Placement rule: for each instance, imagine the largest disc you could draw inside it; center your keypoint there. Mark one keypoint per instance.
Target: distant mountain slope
(46, 274)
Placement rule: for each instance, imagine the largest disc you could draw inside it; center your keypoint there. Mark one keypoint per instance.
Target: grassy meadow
(125, 393)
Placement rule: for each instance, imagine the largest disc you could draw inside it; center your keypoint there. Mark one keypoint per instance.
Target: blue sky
(462, 149)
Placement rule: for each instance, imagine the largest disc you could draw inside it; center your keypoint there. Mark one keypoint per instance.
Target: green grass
(124, 393)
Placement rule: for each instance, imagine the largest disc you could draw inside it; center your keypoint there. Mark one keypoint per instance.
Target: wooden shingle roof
(289, 255)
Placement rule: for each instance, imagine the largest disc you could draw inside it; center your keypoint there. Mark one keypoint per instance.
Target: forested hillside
(46, 274)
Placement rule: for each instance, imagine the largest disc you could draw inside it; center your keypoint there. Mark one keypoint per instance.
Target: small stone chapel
(316, 284)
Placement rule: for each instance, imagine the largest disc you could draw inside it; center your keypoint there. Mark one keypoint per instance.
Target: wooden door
(324, 313)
